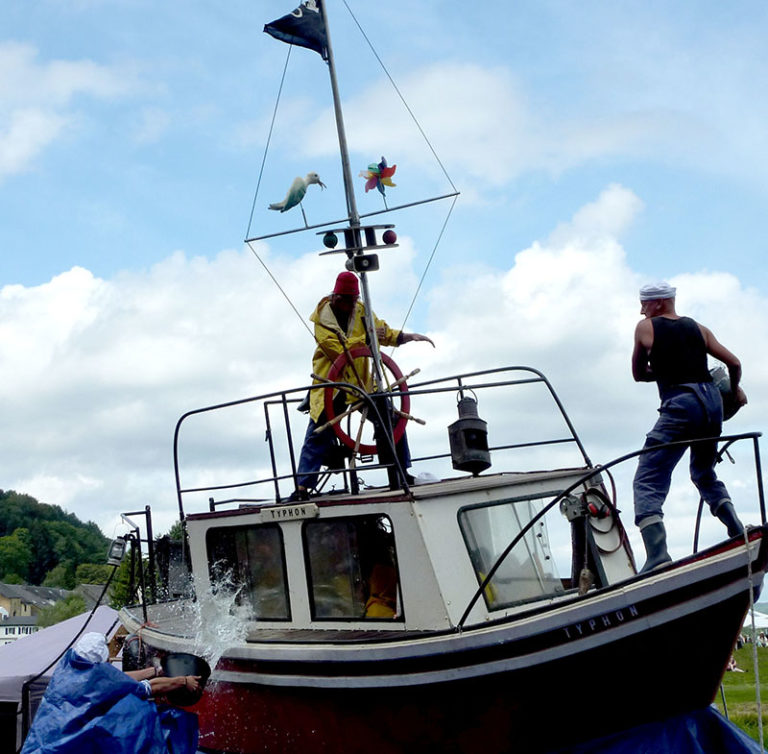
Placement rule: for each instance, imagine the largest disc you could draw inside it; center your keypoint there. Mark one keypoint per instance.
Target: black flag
(303, 27)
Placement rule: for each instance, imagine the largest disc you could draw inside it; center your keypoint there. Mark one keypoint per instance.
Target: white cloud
(481, 122)
(482, 128)
(24, 134)
(36, 100)
(27, 80)
(490, 125)
(606, 218)
(96, 372)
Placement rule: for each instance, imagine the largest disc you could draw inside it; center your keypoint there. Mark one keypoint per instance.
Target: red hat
(346, 284)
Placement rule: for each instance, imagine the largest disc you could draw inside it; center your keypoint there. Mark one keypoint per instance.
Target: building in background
(19, 607)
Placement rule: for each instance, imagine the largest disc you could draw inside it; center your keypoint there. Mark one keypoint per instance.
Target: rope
(264, 159)
(269, 139)
(256, 195)
(402, 99)
(280, 288)
(428, 143)
(755, 662)
(429, 262)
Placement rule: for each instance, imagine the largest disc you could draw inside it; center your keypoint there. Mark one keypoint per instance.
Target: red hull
(612, 687)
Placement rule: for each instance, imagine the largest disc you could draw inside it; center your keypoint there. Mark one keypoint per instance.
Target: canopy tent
(761, 620)
(24, 660)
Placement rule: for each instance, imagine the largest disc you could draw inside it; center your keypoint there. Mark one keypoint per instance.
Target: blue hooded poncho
(94, 708)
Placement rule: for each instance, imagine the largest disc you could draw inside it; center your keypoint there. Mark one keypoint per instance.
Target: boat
(393, 614)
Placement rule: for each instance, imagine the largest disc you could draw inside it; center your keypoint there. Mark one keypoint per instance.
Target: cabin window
(249, 561)
(528, 572)
(352, 569)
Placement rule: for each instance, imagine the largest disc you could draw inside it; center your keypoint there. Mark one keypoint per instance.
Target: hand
(192, 683)
(740, 396)
(414, 336)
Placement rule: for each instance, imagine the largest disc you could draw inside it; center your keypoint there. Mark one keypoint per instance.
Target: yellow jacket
(329, 339)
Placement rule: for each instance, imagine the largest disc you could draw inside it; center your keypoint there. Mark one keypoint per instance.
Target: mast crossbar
(346, 219)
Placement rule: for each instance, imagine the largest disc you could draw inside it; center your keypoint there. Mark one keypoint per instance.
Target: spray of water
(219, 621)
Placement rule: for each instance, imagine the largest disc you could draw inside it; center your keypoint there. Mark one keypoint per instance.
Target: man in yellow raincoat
(339, 323)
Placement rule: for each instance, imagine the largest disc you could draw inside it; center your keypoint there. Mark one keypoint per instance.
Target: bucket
(723, 383)
(182, 663)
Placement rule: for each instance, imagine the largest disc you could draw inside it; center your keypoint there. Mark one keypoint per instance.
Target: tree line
(42, 545)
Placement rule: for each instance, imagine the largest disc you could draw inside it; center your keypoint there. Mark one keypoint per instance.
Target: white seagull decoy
(296, 192)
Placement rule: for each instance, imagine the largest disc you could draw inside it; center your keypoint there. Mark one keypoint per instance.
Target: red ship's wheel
(392, 378)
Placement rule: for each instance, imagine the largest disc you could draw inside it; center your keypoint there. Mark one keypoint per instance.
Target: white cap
(654, 291)
(93, 647)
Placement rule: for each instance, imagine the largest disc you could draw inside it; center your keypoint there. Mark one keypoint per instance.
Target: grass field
(740, 697)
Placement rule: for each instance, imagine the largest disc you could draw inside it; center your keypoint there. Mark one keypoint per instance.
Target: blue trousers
(687, 412)
(318, 448)
(314, 453)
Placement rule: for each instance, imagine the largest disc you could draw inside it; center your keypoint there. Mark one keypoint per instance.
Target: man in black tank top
(672, 351)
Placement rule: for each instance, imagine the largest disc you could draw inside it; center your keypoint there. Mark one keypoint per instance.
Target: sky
(596, 146)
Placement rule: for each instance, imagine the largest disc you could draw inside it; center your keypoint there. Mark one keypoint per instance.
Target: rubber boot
(655, 541)
(727, 514)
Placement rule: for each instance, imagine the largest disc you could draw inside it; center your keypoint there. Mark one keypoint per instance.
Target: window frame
(530, 498)
(271, 526)
(399, 617)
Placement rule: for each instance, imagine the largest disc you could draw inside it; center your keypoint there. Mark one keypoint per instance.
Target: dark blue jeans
(317, 449)
(314, 453)
(687, 412)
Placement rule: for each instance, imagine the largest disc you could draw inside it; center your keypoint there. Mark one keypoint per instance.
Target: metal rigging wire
(429, 262)
(402, 99)
(256, 195)
(269, 139)
(431, 148)
(424, 136)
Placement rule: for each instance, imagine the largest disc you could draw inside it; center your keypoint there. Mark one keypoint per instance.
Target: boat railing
(583, 482)
(471, 382)
(283, 447)
(282, 399)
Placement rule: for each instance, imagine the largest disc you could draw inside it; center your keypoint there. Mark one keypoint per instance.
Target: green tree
(42, 545)
(119, 593)
(55, 537)
(176, 532)
(16, 554)
(92, 573)
(69, 607)
(61, 576)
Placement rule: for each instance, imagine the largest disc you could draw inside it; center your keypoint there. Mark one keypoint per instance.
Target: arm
(641, 366)
(156, 684)
(163, 685)
(389, 337)
(329, 341)
(144, 674)
(721, 353)
(385, 334)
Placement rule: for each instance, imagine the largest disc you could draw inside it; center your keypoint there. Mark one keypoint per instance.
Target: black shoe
(298, 496)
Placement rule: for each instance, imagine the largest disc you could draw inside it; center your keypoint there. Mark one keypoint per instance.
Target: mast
(354, 217)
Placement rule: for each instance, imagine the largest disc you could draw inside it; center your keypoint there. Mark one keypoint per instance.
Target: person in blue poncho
(91, 707)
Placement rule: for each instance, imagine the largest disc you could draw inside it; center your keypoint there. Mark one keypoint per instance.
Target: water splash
(219, 621)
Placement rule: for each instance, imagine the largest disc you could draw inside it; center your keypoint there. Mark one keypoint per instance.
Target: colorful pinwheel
(378, 176)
